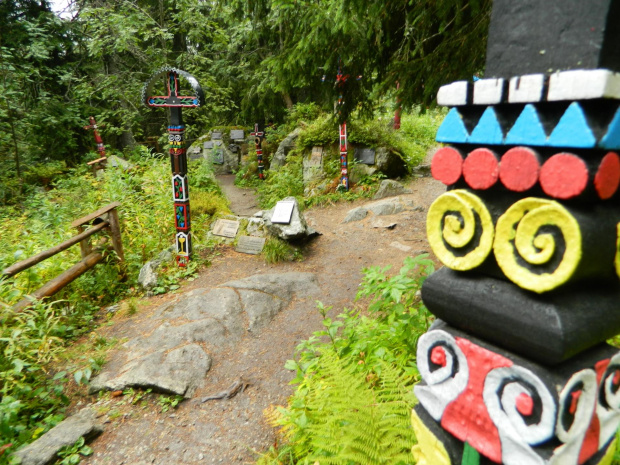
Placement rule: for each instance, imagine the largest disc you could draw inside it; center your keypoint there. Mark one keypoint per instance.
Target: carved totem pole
(516, 370)
(258, 137)
(178, 157)
(98, 139)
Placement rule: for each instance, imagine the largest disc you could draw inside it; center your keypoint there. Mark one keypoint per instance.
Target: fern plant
(338, 417)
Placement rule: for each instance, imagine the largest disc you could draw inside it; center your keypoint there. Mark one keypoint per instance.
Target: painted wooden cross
(178, 158)
(258, 136)
(341, 80)
(98, 140)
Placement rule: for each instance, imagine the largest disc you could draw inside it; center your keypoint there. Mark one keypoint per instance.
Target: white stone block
(453, 95)
(488, 91)
(526, 89)
(584, 84)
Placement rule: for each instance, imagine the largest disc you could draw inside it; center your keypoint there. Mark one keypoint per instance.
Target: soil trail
(242, 201)
(234, 430)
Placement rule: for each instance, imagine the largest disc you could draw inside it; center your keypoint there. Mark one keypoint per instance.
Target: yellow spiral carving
(538, 244)
(460, 230)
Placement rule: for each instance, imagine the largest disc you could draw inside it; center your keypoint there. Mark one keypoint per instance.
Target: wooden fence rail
(104, 218)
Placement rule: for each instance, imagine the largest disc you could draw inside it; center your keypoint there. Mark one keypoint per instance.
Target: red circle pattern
(607, 177)
(447, 165)
(562, 176)
(481, 169)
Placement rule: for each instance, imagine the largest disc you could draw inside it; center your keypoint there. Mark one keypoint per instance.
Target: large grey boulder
(390, 163)
(116, 162)
(386, 207)
(177, 355)
(147, 278)
(390, 188)
(232, 159)
(356, 214)
(297, 229)
(288, 143)
(176, 372)
(44, 450)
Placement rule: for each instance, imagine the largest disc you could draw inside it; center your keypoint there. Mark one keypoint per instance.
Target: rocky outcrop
(288, 143)
(296, 230)
(390, 188)
(177, 355)
(43, 451)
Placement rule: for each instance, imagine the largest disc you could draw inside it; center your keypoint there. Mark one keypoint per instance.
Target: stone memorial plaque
(217, 143)
(237, 134)
(216, 135)
(208, 145)
(218, 156)
(283, 212)
(365, 155)
(195, 156)
(316, 157)
(226, 228)
(250, 245)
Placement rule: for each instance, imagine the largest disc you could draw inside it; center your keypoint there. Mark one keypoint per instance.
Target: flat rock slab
(176, 356)
(44, 450)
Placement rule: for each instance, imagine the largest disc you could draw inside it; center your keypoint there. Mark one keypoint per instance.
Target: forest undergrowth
(33, 396)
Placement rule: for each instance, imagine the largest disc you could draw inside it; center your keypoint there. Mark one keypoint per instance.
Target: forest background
(255, 59)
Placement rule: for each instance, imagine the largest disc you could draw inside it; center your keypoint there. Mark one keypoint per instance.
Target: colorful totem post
(341, 80)
(98, 139)
(516, 370)
(178, 158)
(258, 137)
(101, 161)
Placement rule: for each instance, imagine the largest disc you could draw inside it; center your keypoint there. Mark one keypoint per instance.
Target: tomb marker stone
(226, 228)
(250, 245)
(283, 212)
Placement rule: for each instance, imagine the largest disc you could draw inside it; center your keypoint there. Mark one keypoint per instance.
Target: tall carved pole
(516, 369)
(258, 137)
(178, 158)
(98, 139)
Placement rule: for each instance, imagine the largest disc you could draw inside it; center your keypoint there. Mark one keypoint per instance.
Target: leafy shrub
(207, 203)
(287, 181)
(276, 250)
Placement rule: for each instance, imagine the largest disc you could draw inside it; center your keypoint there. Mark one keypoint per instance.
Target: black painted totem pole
(258, 138)
(178, 158)
(516, 370)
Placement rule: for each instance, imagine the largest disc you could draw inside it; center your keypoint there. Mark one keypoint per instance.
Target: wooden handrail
(89, 257)
(92, 216)
(60, 281)
(31, 261)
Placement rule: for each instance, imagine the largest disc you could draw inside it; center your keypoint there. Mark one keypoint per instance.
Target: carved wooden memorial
(178, 158)
(516, 369)
(258, 138)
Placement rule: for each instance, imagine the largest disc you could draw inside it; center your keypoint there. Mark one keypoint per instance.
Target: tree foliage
(255, 59)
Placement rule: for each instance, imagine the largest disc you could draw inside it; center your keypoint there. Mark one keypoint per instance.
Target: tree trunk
(287, 100)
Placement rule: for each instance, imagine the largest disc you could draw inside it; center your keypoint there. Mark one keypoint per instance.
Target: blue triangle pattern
(452, 129)
(488, 130)
(611, 140)
(572, 130)
(527, 130)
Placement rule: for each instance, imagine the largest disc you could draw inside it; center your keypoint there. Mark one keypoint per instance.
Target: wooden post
(115, 232)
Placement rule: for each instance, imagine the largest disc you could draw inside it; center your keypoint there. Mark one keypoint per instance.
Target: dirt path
(242, 201)
(234, 431)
